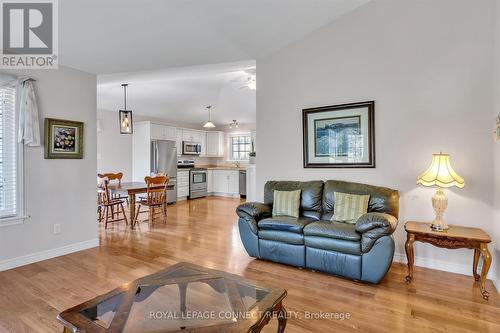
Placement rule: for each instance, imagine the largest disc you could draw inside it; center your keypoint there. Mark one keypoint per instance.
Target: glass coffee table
(182, 298)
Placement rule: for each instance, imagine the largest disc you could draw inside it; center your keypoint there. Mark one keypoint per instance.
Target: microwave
(191, 148)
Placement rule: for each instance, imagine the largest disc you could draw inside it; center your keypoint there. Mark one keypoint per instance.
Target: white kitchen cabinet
(178, 141)
(162, 132)
(191, 135)
(225, 182)
(215, 144)
(182, 183)
(210, 181)
(203, 141)
(233, 182)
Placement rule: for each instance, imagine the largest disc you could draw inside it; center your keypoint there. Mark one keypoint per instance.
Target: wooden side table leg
(131, 199)
(477, 253)
(409, 255)
(182, 292)
(486, 267)
(281, 314)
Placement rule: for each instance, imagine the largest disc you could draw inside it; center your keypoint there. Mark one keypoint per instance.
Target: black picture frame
(307, 146)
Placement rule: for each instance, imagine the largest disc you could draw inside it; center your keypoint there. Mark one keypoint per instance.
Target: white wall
(496, 153)
(114, 150)
(428, 66)
(57, 191)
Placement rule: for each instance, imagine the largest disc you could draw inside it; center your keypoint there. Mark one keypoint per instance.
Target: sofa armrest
(253, 212)
(372, 226)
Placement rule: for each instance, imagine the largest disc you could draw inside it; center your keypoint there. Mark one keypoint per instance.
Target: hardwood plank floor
(205, 232)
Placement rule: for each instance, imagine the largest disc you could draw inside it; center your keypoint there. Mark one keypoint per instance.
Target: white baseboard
(47, 254)
(443, 266)
(226, 195)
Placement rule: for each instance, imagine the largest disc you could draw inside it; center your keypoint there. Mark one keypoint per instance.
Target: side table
(455, 237)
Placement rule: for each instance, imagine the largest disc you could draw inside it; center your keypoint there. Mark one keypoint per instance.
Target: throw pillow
(286, 203)
(349, 207)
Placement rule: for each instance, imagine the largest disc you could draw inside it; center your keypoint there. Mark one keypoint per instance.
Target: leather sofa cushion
(332, 244)
(337, 230)
(311, 192)
(282, 236)
(382, 199)
(285, 223)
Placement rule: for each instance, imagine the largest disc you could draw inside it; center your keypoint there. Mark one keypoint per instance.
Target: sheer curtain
(29, 127)
(28, 131)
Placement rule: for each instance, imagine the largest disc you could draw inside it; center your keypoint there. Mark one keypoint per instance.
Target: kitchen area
(195, 124)
(199, 163)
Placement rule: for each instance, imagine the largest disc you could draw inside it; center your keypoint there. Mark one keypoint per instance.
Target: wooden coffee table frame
(454, 238)
(259, 315)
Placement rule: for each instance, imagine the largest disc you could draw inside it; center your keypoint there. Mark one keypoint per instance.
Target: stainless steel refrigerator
(164, 160)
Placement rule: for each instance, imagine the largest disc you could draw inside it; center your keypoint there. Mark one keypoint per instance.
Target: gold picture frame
(63, 139)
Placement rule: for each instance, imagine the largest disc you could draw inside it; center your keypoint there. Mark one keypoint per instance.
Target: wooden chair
(156, 198)
(111, 177)
(110, 207)
(100, 204)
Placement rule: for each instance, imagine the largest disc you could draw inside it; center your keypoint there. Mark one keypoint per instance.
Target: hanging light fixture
(125, 116)
(209, 123)
(234, 124)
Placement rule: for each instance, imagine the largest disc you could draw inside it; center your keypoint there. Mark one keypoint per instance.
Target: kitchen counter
(221, 167)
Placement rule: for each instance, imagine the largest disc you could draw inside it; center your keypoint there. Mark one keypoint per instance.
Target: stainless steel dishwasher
(243, 183)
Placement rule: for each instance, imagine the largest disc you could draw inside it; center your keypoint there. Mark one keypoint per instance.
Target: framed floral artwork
(63, 139)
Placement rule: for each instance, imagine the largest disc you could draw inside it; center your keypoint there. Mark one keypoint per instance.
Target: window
(10, 159)
(240, 147)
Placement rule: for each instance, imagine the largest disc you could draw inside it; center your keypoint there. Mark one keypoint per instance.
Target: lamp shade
(209, 124)
(440, 173)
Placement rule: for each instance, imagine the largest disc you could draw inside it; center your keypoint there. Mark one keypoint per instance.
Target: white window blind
(8, 154)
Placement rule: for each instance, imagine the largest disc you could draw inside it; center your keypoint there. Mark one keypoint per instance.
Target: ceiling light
(234, 124)
(252, 82)
(125, 116)
(209, 123)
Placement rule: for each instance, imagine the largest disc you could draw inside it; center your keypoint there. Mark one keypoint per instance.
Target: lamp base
(439, 203)
(439, 227)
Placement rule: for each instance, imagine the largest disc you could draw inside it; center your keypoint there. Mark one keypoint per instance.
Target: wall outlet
(57, 229)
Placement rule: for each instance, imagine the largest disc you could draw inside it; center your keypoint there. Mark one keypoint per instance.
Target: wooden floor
(204, 232)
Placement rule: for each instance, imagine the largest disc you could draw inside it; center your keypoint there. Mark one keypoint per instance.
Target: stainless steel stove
(197, 178)
(197, 183)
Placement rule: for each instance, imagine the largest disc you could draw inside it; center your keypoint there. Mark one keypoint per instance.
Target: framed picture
(63, 138)
(339, 136)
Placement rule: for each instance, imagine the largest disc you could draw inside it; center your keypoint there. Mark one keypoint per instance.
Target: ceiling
(114, 36)
(181, 94)
(181, 55)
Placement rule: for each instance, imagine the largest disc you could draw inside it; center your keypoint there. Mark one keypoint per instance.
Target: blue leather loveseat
(361, 251)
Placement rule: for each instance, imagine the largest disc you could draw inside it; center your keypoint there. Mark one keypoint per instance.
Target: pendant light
(209, 123)
(125, 116)
(234, 124)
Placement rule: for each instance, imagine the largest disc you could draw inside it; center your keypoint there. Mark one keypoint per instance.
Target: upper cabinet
(215, 144)
(178, 141)
(162, 132)
(212, 143)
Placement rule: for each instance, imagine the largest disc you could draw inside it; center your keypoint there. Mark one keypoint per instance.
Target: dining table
(131, 189)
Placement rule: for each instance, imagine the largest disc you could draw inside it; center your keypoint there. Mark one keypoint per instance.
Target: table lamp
(441, 175)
